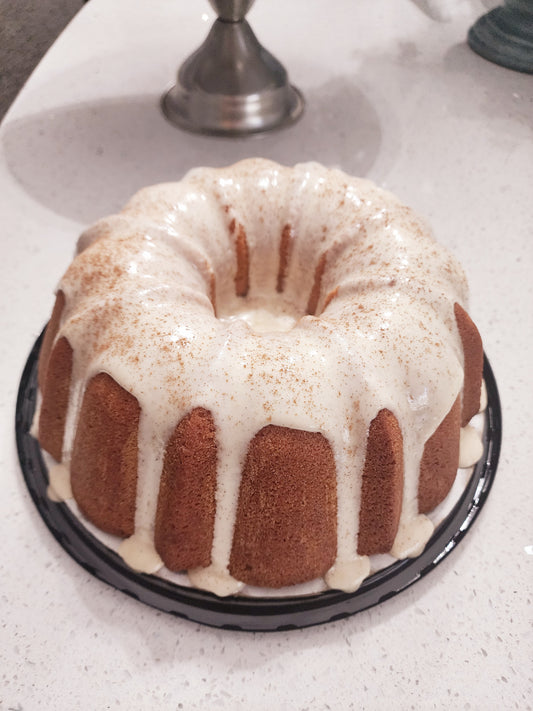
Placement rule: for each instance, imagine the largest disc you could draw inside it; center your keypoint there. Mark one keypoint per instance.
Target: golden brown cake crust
(50, 336)
(186, 504)
(314, 296)
(56, 392)
(473, 363)
(381, 498)
(242, 275)
(440, 460)
(286, 240)
(104, 457)
(286, 527)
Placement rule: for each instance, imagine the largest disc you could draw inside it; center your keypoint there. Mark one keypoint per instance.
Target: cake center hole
(271, 314)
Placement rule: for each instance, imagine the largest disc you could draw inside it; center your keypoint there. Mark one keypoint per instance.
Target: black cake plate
(249, 613)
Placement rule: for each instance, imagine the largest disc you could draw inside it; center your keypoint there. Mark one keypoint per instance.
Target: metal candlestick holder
(232, 85)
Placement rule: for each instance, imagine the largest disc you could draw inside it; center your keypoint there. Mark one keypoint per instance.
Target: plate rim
(252, 614)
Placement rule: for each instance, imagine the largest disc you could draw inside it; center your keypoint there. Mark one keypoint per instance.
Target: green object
(505, 35)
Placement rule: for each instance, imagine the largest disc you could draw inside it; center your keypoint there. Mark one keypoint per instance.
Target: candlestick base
(232, 86)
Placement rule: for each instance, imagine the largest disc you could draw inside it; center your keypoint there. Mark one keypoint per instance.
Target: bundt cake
(259, 375)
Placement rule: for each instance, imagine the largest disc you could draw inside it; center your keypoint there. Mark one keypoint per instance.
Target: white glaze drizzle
(470, 447)
(59, 488)
(471, 440)
(138, 308)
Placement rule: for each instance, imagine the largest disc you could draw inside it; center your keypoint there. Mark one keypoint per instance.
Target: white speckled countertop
(392, 94)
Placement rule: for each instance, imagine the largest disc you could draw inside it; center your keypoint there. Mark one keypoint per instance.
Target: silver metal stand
(232, 85)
